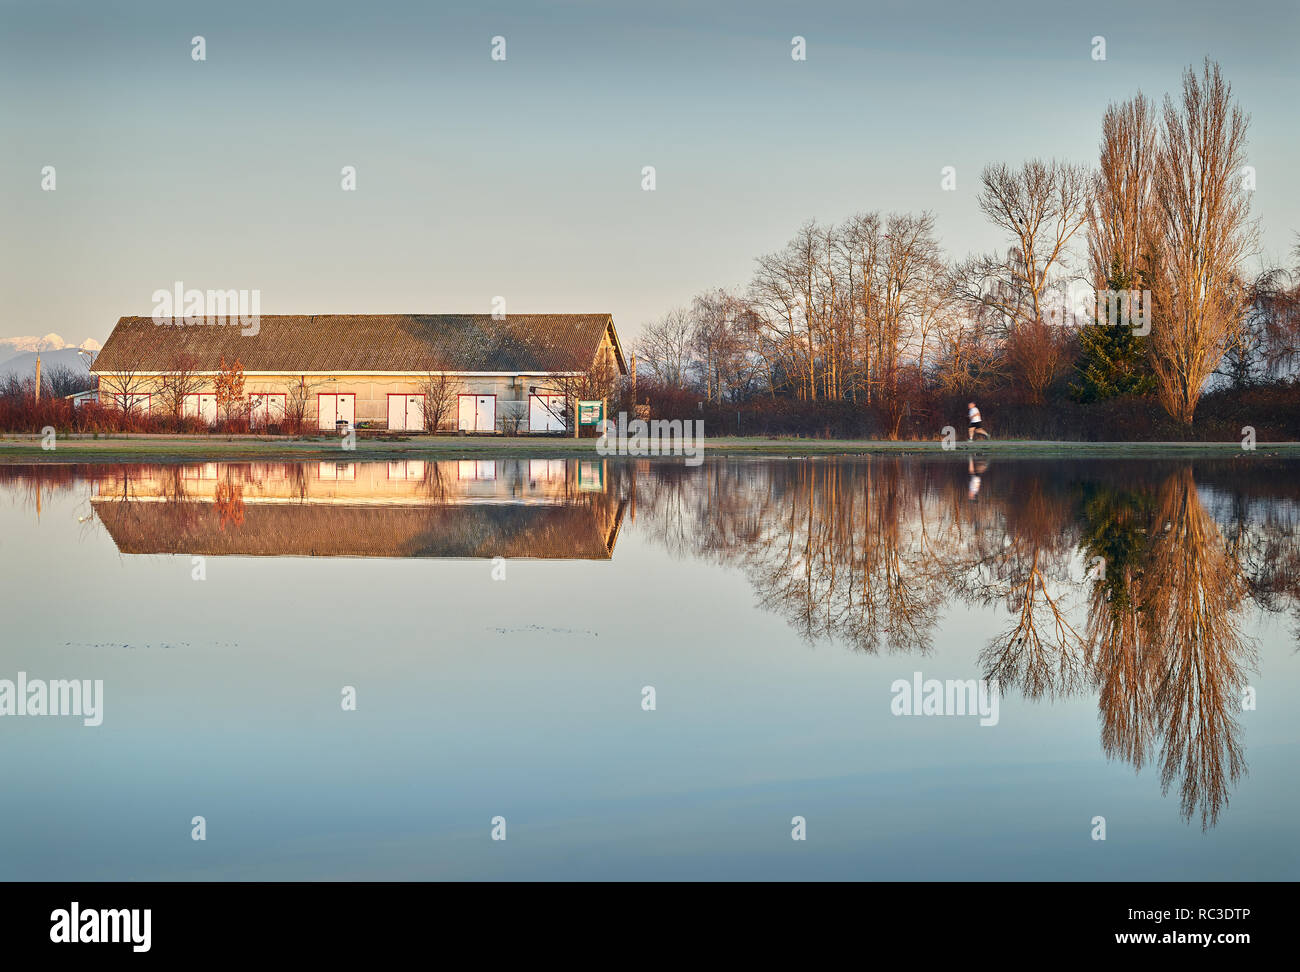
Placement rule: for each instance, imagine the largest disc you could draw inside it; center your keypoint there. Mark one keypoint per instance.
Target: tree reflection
(1116, 646)
(1041, 653)
(832, 547)
(1116, 579)
(1193, 593)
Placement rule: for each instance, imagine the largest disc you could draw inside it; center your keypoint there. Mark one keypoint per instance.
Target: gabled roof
(527, 344)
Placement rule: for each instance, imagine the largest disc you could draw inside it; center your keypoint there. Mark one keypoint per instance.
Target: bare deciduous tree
(1275, 313)
(717, 340)
(1041, 206)
(297, 402)
(1203, 235)
(1121, 222)
(62, 380)
(126, 386)
(665, 348)
(181, 380)
(440, 393)
(843, 311)
(597, 383)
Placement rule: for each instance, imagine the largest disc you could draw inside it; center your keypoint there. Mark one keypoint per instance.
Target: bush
(23, 413)
(1273, 410)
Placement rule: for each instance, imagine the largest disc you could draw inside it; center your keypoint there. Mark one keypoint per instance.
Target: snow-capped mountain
(12, 346)
(24, 363)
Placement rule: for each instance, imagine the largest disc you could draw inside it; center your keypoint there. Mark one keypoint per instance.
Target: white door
(207, 470)
(406, 469)
(265, 408)
(335, 407)
(546, 413)
(203, 406)
(406, 412)
(328, 404)
(478, 413)
(485, 413)
(477, 469)
(333, 472)
(396, 411)
(546, 470)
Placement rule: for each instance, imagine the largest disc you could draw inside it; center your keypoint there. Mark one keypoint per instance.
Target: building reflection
(514, 508)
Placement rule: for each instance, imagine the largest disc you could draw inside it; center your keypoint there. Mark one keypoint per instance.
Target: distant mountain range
(13, 346)
(24, 363)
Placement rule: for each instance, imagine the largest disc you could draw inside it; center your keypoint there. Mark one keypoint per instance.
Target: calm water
(1139, 616)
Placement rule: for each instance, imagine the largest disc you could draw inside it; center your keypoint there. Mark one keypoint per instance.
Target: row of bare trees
(865, 310)
(56, 382)
(832, 316)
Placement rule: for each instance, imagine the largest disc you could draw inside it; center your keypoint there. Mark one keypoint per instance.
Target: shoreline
(164, 448)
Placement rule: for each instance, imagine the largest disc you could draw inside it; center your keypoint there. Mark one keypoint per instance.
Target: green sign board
(591, 413)
(591, 476)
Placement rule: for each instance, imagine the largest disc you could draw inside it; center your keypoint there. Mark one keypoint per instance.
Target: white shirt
(975, 414)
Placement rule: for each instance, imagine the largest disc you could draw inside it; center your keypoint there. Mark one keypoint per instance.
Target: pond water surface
(650, 671)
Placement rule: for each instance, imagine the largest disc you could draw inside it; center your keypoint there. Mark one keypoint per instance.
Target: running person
(976, 424)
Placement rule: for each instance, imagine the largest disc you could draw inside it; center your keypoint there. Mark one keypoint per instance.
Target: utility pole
(38, 376)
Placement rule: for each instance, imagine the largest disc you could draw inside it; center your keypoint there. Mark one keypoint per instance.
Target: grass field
(163, 448)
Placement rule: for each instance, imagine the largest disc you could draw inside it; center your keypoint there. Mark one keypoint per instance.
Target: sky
(522, 178)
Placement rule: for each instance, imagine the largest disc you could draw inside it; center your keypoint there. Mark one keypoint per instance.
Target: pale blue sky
(522, 179)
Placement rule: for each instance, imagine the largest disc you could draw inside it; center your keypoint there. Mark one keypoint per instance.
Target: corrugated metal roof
(301, 343)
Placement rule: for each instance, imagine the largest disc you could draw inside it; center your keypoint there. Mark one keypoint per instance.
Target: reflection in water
(508, 508)
(1127, 579)
(1116, 580)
